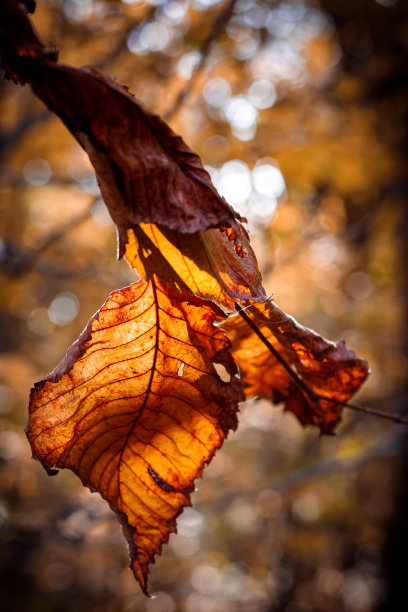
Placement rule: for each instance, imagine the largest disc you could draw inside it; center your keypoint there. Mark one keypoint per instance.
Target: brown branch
(17, 262)
(64, 229)
(218, 25)
(11, 137)
(396, 418)
(29, 120)
(388, 445)
(302, 386)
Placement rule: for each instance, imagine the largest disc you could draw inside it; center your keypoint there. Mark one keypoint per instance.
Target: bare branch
(17, 262)
(218, 25)
(302, 386)
(367, 410)
(13, 136)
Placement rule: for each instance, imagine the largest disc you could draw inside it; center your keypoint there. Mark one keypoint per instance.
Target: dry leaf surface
(147, 175)
(207, 263)
(146, 172)
(136, 408)
(327, 368)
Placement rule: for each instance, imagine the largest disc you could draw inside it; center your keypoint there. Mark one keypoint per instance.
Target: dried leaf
(148, 175)
(146, 172)
(137, 408)
(327, 368)
(18, 38)
(207, 263)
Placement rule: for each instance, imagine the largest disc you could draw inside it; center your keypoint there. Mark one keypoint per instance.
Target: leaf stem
(295, 377)
(379, 413)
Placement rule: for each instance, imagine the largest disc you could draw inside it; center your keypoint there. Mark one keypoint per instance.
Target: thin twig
(396, 418)
(295, 377)
(204, 51)
(11, 137)
(231, 315)
(388, 445)
(312, 396)
(16, 261)
(64, 229)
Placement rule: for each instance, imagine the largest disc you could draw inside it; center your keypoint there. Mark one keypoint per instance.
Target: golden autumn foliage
(137, 417)
(137, 408)
(330, 254)
(327, 369)
(207, 264)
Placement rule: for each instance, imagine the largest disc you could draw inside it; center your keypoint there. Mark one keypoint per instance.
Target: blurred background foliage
(299, 111)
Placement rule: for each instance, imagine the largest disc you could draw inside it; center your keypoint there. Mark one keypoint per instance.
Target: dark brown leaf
(146, 172)
(148, 175)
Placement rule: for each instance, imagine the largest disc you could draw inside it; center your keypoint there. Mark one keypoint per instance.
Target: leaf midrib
(149, 386)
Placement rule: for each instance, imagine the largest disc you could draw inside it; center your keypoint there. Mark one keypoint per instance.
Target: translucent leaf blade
(121, 415)
(327, 368)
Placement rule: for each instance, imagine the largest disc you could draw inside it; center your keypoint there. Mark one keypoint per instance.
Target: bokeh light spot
(359, 286)
(37, 172)
(262, 94)
(78, 10)
(187, 64)
(63, 308)
(240, 113)
(217, 92)
(306, 508)
(189, 523)
(234, 182)
(173, 12)
(10, 444)
(268, 180)
(7, 398)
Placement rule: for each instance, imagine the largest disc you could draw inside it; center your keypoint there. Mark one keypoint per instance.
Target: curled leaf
(328, 369)
(147, 175)
(137, 408)
(146, 172)
(206, 263)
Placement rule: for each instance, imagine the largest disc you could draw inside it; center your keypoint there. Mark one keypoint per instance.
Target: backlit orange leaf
(328, 369)
(206, 263)
(137, 408)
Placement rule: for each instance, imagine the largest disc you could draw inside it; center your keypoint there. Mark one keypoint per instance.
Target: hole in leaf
(222, 372)
(181, 368)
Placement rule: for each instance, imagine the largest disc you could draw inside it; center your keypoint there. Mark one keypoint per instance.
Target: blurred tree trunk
(381, 61)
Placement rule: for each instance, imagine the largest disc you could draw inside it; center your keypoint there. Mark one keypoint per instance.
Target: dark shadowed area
(298, 110)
